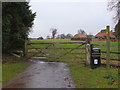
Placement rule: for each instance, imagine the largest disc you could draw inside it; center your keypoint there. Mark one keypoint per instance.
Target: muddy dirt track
(43, 75)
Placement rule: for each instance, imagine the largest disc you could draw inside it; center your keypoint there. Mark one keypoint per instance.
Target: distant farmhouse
(101, 36)
(79, 37)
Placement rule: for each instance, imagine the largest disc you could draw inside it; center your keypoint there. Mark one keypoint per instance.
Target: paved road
(43, 75)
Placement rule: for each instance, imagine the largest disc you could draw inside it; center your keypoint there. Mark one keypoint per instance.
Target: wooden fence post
(88, 53)
(25, 49)
(107, 46)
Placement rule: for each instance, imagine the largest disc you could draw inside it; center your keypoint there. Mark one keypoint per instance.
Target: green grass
(10, 70)
(83, 77)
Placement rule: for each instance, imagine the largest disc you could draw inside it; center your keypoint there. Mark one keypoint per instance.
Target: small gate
(57, 51)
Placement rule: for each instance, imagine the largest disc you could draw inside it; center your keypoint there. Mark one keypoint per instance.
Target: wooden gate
(57, 51)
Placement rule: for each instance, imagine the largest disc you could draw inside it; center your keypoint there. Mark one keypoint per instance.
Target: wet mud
(43, 75)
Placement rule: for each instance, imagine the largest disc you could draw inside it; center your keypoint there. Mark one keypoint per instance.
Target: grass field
(84, 77)
(10, 70)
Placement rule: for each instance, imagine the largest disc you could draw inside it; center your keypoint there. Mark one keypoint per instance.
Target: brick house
(101, 36)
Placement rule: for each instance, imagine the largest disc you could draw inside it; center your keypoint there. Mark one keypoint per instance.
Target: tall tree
(16, 23)
(54, 32)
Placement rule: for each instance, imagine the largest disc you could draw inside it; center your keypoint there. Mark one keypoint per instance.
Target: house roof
(103, 34)
(79, 36)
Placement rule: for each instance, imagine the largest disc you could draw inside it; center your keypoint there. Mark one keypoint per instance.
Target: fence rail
(59, 43)
(111, 59)
(111, 52)
(105, 45)
(56, 48)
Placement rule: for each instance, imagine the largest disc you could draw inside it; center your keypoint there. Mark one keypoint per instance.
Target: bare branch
(114, 5)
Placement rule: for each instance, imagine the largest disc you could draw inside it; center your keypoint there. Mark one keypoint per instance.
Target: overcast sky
(69, 16)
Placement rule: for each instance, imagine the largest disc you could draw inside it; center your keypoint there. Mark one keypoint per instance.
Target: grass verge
(10, 70)
(85, 77)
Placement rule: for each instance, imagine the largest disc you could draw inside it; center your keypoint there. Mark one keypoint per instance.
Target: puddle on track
(43, 75)
(39, 57)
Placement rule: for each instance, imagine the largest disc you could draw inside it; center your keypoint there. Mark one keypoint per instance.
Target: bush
(40, 38)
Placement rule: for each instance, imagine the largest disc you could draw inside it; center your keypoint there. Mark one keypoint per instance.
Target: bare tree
(114, 5)
(80, 31)
(54, 32)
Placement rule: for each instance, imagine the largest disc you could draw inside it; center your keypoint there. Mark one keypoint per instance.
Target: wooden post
(88, 53)
(25, 49)
(107, 46)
